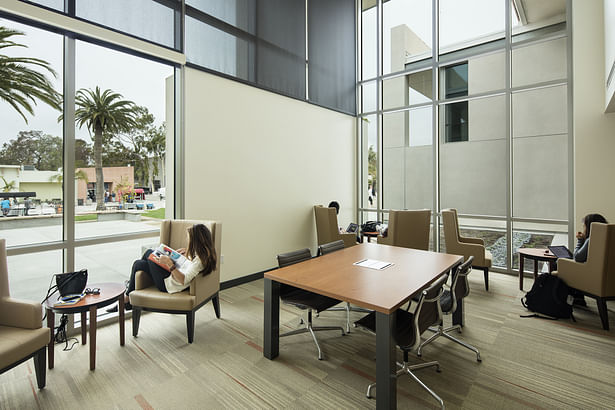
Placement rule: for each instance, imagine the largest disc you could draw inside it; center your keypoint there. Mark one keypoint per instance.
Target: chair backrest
(4, 271)
(601, 257)
(410, 229)
(330, 247)
(327, 229)
(293, 257)
(460, 288)
(428, 311)
(175, 234)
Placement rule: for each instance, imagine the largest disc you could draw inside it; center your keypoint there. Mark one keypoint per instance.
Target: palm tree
(20, 84)
(105, 112)
(8, 186)
(59, 177)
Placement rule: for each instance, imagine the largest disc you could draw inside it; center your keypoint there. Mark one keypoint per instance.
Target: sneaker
(579, 301)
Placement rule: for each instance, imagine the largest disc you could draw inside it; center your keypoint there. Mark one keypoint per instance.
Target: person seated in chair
(336, 205)
(580, 251)
(201, 256)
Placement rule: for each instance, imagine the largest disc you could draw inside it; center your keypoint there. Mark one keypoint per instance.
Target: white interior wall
(258, 162)
(594, 131)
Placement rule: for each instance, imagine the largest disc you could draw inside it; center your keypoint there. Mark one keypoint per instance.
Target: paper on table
(373, 264)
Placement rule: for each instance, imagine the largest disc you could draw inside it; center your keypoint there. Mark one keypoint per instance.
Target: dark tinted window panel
(52, 4)
(280, 52)
(456, 80)
(456, 122)
(237, 13)
(331, 54)
(217, 50)
(145, 19)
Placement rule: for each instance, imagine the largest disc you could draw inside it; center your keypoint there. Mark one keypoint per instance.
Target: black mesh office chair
(304, 299)
(410, 326)
(332, 247)
(451, 300)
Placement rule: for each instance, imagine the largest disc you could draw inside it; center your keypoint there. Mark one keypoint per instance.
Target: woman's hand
(165, 260)
(181, 251)
(580, 235)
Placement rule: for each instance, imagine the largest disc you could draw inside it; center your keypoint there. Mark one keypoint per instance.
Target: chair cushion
(153, 298)
(304, 299)
(17, 343)
(404, 332)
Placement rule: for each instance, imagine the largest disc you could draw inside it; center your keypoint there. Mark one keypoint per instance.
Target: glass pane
(536, 235)
(52, 4)
(539, 62)
(408, 159)
(492, 232)
(530, 19)
(128, 194)
(540, 153)
(31, 143)
(217, 50)
(472, 169)
(369, 149)
(30, 274)
(406, 33)
(238, 13)
(146, 19)
(464, 23)
(369, 48)
(368, 97)
(477, 75)
(415, 88)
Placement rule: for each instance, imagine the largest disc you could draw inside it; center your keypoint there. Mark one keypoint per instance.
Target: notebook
(560, 251)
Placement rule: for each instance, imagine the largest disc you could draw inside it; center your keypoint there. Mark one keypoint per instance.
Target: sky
(137, 79)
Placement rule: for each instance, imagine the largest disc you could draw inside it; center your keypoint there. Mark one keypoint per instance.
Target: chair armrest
(577, 275)
(384, 240)
(350, 239)
(20, 313)
(470, 249)
(466, 239)
(142, 280)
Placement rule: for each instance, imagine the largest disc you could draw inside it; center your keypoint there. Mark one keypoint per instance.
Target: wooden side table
(109, 293)
(369, 235)
(537, 255)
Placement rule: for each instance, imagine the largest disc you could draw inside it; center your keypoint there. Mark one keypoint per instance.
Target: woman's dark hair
(589, 218)
(201, 245)
(334, 204)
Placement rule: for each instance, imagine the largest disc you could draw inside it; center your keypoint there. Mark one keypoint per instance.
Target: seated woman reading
(201, 256)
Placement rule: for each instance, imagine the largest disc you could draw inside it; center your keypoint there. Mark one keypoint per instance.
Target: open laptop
(352, 228)
(560, 251)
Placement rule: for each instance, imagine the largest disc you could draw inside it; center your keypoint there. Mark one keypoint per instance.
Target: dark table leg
(92, 337)
(271, 336)
(521, 258)
(386, 378)
(84, 327)
(51, 318)
(535, 269)
(121, 307)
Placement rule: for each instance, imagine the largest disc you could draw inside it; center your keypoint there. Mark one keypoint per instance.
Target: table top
(370, 233)
(334, 274)
(109, 292)
(543, 253)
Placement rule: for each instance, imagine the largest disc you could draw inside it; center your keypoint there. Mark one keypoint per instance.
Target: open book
(179, 259)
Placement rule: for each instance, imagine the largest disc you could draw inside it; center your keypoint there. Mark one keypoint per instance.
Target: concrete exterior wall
(44, 191)
(112, 175)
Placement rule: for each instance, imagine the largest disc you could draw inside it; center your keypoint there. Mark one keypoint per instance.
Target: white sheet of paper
(373, 264)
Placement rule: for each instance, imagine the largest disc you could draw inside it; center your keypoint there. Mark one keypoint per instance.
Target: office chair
(410, 326)
(304, 299)
(332, 247)
(450, 301)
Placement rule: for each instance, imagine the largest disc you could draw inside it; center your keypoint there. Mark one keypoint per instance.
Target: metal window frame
(436, 62)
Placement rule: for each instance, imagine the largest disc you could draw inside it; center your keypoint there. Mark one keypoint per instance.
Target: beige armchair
(327, 229)
(460, 245)
(596, 277)
(146, 295)
(408, 229)
(22, 335)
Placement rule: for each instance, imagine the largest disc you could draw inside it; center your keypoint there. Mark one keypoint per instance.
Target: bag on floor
(549, 296)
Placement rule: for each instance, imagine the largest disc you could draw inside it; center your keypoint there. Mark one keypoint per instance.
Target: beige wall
(112, 175)
(258, 162)
(44, 191)
(594, 131)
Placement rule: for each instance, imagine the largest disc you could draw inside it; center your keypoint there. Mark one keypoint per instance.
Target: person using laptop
(352, 228)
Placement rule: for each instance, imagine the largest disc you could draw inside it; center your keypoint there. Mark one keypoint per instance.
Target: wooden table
(384, 291)
(537, 255)
(109, 293)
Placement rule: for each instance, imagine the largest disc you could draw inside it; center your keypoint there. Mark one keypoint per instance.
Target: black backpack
(549, 296)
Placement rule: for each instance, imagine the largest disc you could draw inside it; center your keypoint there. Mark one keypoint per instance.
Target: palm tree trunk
(100, 182)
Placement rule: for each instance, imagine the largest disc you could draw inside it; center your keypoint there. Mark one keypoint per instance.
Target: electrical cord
(60, 336)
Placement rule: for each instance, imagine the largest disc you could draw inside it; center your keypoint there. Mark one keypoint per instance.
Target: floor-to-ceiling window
(464, 104)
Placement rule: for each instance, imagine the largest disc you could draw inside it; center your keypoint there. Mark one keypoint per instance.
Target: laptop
(352, 228)
(560, 251)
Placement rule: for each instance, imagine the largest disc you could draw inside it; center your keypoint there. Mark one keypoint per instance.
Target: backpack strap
(539, 317)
